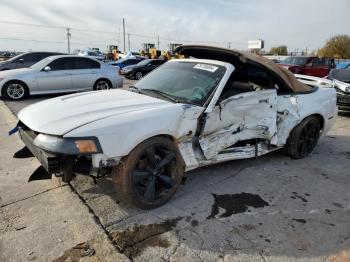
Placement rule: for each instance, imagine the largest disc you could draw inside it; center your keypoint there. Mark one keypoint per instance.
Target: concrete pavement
(270, 209)
(41, 220)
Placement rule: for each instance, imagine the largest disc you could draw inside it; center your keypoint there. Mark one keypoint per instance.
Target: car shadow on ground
(272, 206)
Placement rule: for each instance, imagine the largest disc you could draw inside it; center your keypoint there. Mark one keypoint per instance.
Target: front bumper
(343, 100)
(129, 74)
(49, 161)
(61, 165)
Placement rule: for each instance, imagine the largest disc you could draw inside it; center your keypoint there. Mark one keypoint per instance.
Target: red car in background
(308, 65)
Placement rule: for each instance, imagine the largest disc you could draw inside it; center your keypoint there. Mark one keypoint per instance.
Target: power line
(31, 40)
(109, 32)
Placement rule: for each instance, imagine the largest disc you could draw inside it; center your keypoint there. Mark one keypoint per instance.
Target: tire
(138, 75)
(15, 90)
(145, 184)
(102, 84)
(303, 138)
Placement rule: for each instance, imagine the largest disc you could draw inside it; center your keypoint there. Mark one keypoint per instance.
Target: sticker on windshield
(206, 67)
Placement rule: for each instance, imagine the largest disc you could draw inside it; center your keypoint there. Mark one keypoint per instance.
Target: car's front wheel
(138, 75)
(303, 138)
(150, 175)
(15, 90)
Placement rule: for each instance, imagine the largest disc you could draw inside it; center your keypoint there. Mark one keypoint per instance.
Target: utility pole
(68, 38)
(229, 45)
(158, 42)
(129, 42)
(124, 33)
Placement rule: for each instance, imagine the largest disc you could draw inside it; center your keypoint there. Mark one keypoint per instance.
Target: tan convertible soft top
(231, 56)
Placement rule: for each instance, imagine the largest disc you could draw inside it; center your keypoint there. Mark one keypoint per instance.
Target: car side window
(85, 63)
(250, 79)
(61, 64)
(157, 62)
(44, 55)
(31, 57)
(317, 62)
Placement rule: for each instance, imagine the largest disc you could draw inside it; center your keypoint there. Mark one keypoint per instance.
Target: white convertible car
(217, 105)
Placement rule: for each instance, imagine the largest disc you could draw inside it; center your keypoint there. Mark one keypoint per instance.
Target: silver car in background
(59, 74)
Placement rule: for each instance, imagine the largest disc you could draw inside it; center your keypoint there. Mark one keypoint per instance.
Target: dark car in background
(309, 65)
(141, 69)
(343, 94)
(126, 62)
(25, 60)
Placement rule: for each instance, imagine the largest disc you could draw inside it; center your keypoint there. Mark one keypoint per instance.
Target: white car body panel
(62, 81)
(123, 119)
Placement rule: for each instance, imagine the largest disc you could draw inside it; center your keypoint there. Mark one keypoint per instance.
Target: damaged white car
(218, 105)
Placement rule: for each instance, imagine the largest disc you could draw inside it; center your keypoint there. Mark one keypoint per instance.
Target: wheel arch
(320, 119)
(168, 136)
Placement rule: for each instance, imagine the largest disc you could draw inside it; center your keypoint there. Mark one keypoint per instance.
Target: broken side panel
(240, 117)
(288, 117)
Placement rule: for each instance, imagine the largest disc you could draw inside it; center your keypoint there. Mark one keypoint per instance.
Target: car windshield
(40, 65)
(144, 62)
(296, 60)
(186, 82)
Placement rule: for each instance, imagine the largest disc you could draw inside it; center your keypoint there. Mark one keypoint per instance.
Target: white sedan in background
(59, 74)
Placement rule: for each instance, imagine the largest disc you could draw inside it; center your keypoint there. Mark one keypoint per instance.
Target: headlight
(86, 146)
(127, 70)
(68, 146)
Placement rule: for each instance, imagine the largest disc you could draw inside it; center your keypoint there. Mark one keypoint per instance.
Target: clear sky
(98, 23)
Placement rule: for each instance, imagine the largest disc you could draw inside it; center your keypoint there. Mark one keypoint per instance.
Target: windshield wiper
(134, 89)
(162, 94)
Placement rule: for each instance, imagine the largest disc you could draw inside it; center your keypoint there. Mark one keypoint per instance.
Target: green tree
(279, 50)
(337, 46)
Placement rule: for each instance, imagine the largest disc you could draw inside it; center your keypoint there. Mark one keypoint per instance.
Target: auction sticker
(206, 67)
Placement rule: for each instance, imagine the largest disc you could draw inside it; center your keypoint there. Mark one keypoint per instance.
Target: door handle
(264, 101)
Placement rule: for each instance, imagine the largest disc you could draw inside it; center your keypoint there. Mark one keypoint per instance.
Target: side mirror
(47, 68)
(21, 60)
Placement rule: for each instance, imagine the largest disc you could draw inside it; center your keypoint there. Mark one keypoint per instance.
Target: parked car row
(308, 65)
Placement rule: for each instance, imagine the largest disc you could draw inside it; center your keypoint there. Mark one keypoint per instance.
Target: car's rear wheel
(102, 84)
(138, 75)
(304, 138)
(15, 90)
(150, 175)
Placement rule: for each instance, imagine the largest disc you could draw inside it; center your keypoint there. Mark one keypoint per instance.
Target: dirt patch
(235, 204)
(134, 240)
(295, 196)
(248, 227)
(76, 253)
(301, 221)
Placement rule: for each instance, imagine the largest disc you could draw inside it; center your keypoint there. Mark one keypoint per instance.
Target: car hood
(13, 72)
(61, 115)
